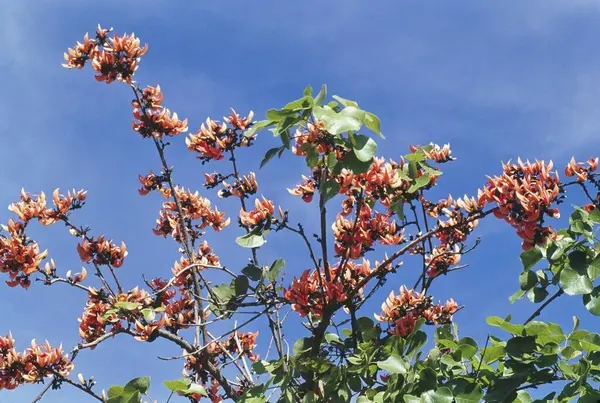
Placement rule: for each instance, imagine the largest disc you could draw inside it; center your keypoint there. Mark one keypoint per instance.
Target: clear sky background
(496, 80)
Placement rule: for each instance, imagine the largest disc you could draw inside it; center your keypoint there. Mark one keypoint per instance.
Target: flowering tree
(379, 205)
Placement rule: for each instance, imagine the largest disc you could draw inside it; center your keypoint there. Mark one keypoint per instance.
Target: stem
(323, 211)
(544, 305)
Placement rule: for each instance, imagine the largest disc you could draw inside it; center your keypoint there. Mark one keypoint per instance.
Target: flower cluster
(31, 366)
(241, 187)
(354, 238)
(402, 311)
(524, 193)
(19, 256)
(30, 207)
(579, 170)
(435, 153)
(152, 182)
(151, 119)
(260, 215)
(313, 291)
(237, 344)
(205, 256)
(113, 58)
(193, 208)
(214, 138)
(316, 135)
(219, 353)
(101, 251)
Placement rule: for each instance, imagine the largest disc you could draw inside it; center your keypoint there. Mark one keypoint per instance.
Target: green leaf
(574, 283)
(516, 296)
(276, 115)
(321, 96)
(492, 353)
(468, 347)
(503, 324)
(115, 391)
(420, 182)
(127, 306)
(592, 301)
(141, 384)
(527, 280)
(250, 240)
(257, 126)
(345, 102)
(537, 294)
(372, 122)
(349, 118)
(253, 272)
(330, 189)
(397, 206)
(518, 346)
(394, 365)
(364, 148)
(275, 269)
(530, 258)
(302, 345)
(178, 385)
(473, 394)
(269, 155)
(354, 164)
(241, 285)
(148, 314)
(196, 389)
(593, 270)
(578, 261)
(442, 395)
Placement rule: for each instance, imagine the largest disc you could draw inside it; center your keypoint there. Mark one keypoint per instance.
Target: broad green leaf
(530, 258)
(345, 102)
(473, 395)
(354, 164)
(372, 122)
(518, 346)
(253, 272)
(503, 324)
(394, 365)
(141, 384)
(257, 126)
(578, 261)
(527, 280)
(115, 391)
(349, 118)
(592, 301)
(251, 240)
(178, 385)
(593, 270)
(492, 353)
(420, 181)
(321, 96)
(196, 389)
(275, 269)
(574, 283)
(276, 115)
(516, 296)
(364, 148)
(269, 155)
(302, 345)
(330, 189)
(128, 306)
(442, 395)
(537, 294)
(148, 314)
(468, 347)
(241, 285)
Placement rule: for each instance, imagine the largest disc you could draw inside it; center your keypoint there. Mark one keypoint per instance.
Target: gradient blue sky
(496, 80)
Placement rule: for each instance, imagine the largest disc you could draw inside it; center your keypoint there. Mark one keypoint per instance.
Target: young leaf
(321, 96)
(394, 365)
(141, 384)
(269, 155)
(349, 118)
(364, 148)
(530, 258)
(253, 272)
(251, 240)
(574, 283)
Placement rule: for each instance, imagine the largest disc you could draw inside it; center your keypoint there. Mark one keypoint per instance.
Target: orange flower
(306, 189)
(402, 311)
(101, 251)
(263, 211)
(578, 170)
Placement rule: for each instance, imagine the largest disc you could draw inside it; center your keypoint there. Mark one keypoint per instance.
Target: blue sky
(497, 81)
